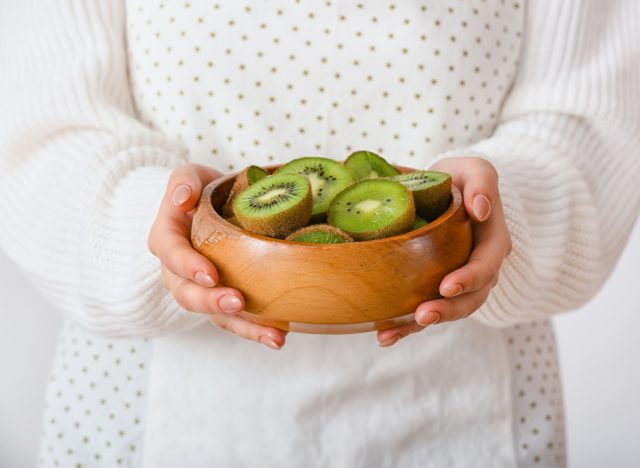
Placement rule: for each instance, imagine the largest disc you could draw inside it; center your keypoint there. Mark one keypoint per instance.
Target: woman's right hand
(191, 277)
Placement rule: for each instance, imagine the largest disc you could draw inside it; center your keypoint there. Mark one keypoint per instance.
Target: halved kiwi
(233, 220)
(373, 209)
(431, 191)
(326, 176)
(418, 223)
(320, 234)
(275, 206)
(368, 165)
(247, 177)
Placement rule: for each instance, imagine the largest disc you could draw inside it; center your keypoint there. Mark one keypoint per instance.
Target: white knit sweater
(81, 177)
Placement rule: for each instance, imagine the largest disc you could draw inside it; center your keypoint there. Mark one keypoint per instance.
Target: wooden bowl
(331, 288)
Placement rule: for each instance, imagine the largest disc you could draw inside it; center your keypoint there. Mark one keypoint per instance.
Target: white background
(599, 353)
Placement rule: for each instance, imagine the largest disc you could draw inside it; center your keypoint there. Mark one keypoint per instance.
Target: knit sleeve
(567, 154)
(80, 178)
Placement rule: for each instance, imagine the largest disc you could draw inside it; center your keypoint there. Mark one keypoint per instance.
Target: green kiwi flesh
(275, 206)
(326, 176)
(431, 191)
(418, 223)
(368, 165)
(320, 234)
(255, 173)
(373, 209)
(248, 176)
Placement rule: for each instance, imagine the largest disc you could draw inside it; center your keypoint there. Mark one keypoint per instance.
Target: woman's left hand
(467, 288)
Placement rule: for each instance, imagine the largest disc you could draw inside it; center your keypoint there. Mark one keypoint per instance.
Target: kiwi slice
(373, 209)
(431, 191)
(320, 234)
(247, 177)
(368, 165)
(418, 223)
(274, 206)
(326, 176)
(233, 220)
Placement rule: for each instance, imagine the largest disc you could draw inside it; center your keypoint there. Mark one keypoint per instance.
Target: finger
(432, 312)
(185, 185)
(391, 336)
(196, 298)
(480, 191)
(450, 309)
(169, 242)
(268, 336)
(477, 179)
(491, 247)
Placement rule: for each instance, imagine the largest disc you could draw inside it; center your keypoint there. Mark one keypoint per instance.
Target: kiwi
(326, 176)
(368, 165)
(233, 220)
(275, 206)
(418, 223)
(431, 191)
(247, 177)
(320, 234)
(373, 209)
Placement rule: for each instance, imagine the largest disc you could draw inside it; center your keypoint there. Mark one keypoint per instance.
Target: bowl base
(330, 328)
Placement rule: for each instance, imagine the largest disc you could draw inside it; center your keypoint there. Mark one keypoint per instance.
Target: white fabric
(331, 401)
(547, 91)
(97, 399)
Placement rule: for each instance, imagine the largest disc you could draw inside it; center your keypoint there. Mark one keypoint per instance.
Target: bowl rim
(207, 192)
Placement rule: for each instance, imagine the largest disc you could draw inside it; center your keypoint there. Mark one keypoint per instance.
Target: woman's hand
(467, 288)
(191, 277)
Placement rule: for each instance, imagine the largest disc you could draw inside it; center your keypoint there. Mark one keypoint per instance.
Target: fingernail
(230, 303)
(181, 194)
(205, 279)
(269, 343)
(451, 290)
(481, 207)
(428, 318)
(393, 339)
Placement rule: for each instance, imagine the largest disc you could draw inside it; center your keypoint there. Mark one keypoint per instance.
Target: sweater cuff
(154, 311)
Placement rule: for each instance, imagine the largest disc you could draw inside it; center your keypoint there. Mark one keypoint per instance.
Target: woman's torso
(242, 83)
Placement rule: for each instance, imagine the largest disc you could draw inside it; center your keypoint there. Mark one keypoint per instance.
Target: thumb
(186, 184)
(477, 179)
(478, 205)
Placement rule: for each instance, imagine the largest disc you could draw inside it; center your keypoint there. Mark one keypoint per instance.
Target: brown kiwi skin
(320, 227)
(403, 225)
(430, 204)
(233, 220)
(280, 225)
(241, 183)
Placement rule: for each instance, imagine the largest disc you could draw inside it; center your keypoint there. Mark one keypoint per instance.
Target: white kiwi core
(271, 194)
(316, 182)
(367, 206)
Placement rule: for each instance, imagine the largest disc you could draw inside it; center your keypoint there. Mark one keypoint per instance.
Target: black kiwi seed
(326, 176)
(371, 217)
(248, 176)
(275, 206)
(431, 191)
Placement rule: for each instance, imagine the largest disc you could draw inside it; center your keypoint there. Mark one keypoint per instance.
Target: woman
(531, 107)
